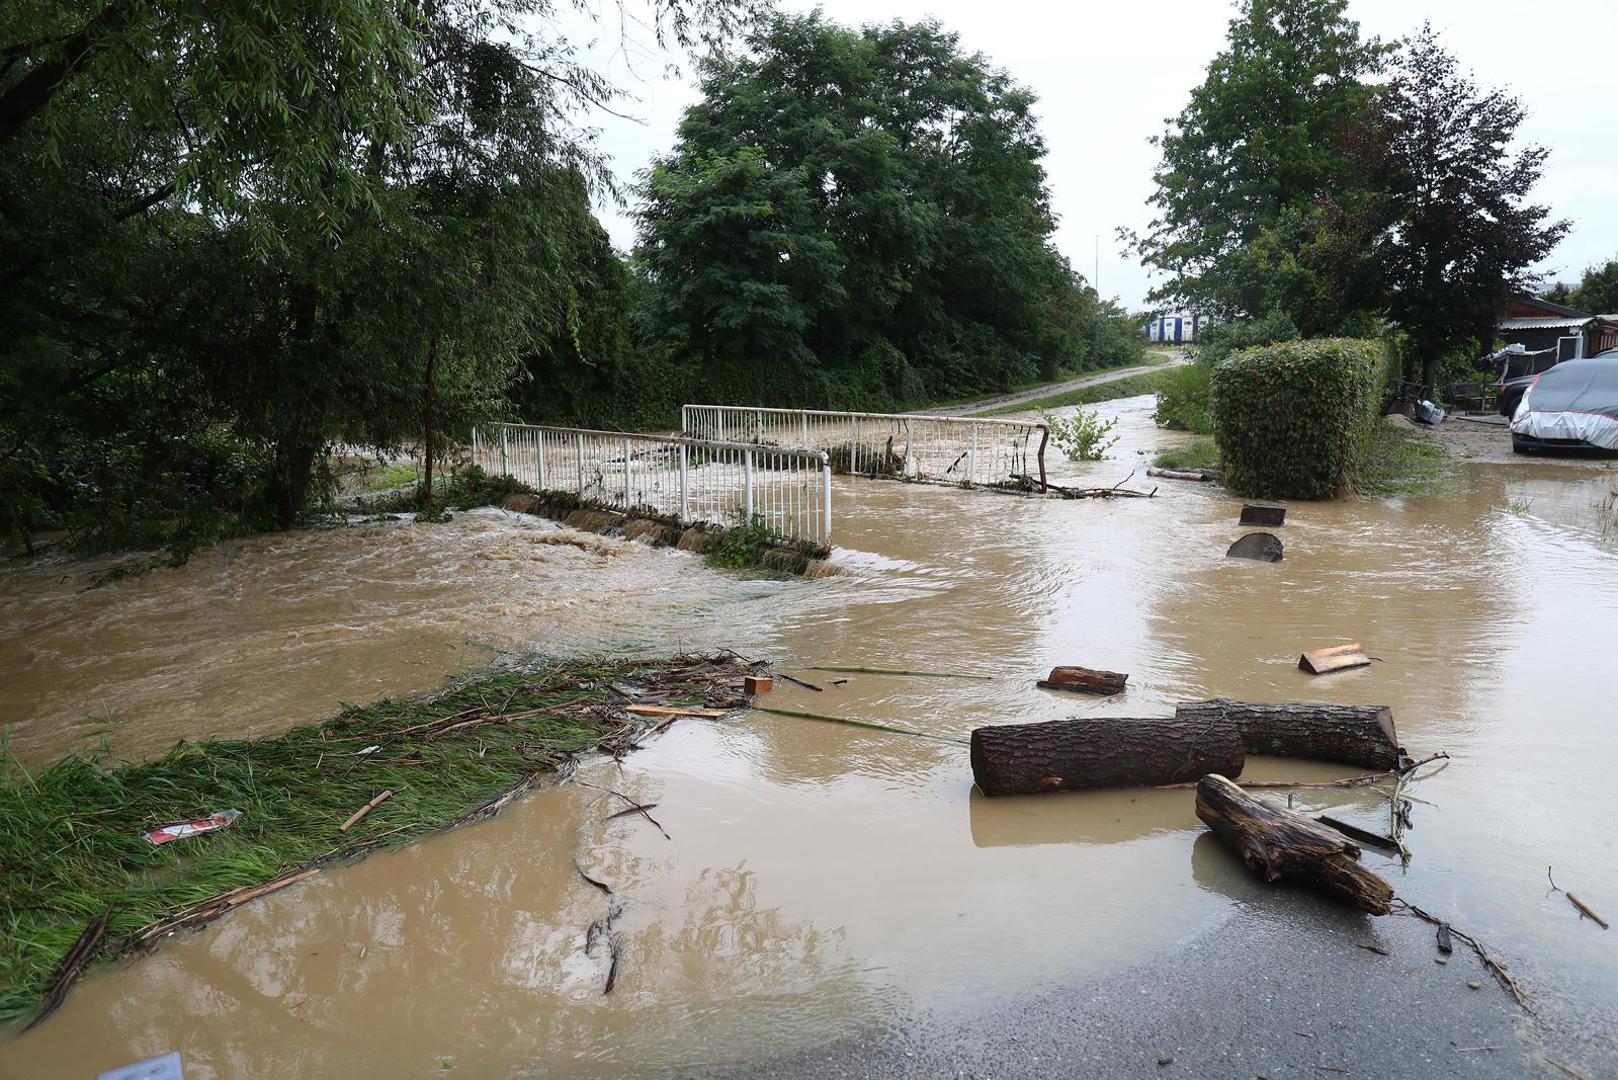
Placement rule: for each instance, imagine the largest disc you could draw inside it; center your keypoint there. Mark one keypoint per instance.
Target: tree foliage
(1597, 291)
(860, 218)
(1448, 234)
(1247, 162)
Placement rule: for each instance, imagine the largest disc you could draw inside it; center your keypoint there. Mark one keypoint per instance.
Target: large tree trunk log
(1361, 735)
(1062, 755)
(1281, 844)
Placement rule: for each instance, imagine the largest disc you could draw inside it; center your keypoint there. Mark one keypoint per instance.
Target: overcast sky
(1108, 75)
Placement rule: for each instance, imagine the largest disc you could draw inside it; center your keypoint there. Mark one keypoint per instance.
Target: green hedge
(1290, 419)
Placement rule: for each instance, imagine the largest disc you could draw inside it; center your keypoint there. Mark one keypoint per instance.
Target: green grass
(1401, 462)
(71, 844)
(1197, 454)
(1147, 382)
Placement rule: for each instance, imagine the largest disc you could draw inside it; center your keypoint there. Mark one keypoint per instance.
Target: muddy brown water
(823, 880)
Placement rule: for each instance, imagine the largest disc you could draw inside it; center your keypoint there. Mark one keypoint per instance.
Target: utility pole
(1096, 281)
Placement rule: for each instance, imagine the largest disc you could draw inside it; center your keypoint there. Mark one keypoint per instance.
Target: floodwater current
(819, 880)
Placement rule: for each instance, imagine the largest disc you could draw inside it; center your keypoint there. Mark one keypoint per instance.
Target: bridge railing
(912, 446)
(696, 480)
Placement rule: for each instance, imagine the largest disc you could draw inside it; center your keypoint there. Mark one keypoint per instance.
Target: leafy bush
(1292, 420)
(1182, 399)
(1082, 437)
(1221, 339)
(742, 545)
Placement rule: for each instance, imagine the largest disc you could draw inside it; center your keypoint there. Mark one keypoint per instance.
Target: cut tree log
(1111, 751)
(1259, 546)
(1336, 658)
(1280, 844)
(1361, 735)
(1176, 474)
(1085, 680)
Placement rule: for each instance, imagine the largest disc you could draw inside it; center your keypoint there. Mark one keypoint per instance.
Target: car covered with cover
(1573, 405)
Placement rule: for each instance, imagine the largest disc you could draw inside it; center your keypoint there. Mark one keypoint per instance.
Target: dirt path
(1176, 356)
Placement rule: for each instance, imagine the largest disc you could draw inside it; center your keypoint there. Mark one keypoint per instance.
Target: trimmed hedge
(1290, 419)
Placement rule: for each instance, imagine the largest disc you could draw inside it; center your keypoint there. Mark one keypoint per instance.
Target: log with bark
(1361, 735)
(1112, 751)
(1085, 680)
(1280, 844)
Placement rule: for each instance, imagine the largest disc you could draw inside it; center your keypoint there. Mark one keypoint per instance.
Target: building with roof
(1546, 326)
(1179, 328)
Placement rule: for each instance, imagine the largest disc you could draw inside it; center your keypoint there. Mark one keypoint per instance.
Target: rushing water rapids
(820, 879)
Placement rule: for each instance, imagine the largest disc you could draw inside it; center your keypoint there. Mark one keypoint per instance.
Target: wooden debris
(354, 818)
(1067, 755)
(73, 962)
(1084, 680)
(896, 671)
(1176, 474)
(1497, 969)
(1259, 546)
(670, 710)
(1352, 734)
(1336, 658)
(872, 724)
(757, 684)
(805, 683)
(1445, 943)
(1114, 492)
(1379, 950)
(1282, 844)
(1259, 514)
(1362, 780)
(1354, 832)
(1584, 909)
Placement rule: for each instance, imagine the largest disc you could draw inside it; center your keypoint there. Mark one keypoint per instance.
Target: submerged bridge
(734, 464)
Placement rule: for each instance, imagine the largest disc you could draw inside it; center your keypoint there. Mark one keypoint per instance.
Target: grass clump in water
(1401, 462)
(71, 835)
(1196, 454)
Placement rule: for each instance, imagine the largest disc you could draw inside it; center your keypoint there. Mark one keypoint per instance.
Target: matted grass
(71, 843)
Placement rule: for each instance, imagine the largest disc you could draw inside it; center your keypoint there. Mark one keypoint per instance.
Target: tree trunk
(1064, 755)
(1361, 735)
(1281, 844)
(289, 481)
(427, 424)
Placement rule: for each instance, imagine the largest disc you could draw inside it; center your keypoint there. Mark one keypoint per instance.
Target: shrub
(1182, 399)
(1291, 420)
(1083, 436)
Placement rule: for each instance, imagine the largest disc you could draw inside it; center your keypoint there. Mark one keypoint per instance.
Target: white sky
(1108, 75)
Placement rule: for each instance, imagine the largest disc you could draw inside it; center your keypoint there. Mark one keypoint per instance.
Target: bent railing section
(696, 480)
(910, 446)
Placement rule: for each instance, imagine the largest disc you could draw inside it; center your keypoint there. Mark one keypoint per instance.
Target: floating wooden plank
(758, 684)
(1176, 474)
(1336, 658)
(1260, 546)
(1259, 514)
(667, 710)
(1281, 844)
(1361, 735)
(1084, 680)
(1111, 751)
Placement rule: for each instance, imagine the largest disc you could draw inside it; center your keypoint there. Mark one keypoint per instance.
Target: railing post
(685, 491)
(627, 502)
(539, 452)
(854, 448)
(972, 458)
(505, 450)
(747, 483)
(825, 494)
(758, 426)
(804, 417)
(910, 427)
(578, 457)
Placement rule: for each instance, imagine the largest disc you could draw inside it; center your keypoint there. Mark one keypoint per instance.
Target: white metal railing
(696, 480)
(913, 446)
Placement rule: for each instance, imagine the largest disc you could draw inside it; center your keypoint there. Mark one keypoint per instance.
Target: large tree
(1597, 290)
(1450, 234)
(1249, 158)
(860, 218)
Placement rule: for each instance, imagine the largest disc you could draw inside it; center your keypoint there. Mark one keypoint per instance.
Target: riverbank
(84, 883)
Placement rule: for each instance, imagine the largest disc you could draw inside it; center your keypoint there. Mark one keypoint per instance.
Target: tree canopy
(859, 217)
(1597, 290)
(1247, 162)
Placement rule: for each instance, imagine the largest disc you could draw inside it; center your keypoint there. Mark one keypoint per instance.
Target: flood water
(821, 880)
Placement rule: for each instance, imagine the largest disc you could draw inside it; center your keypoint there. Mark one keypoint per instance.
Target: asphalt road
(1281, 989)
(970, 407)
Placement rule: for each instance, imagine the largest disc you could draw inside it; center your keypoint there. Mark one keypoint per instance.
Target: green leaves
(1289, 419)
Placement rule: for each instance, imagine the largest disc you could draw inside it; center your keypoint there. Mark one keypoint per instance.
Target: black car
(1511, 391)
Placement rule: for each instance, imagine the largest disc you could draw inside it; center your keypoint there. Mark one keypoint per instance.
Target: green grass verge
(1196, 454)
(1402, 462)
(1147, 382)
(71, 843)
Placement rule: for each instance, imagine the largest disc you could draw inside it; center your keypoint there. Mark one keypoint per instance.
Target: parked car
(1510, 392)
(1572, 406)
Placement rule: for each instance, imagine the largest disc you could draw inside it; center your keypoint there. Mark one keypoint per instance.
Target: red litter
(164, 833)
